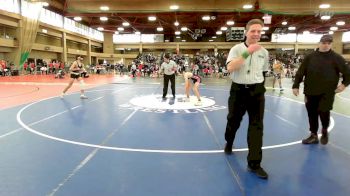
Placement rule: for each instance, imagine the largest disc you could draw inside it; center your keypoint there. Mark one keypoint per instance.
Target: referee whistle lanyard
(250, 63)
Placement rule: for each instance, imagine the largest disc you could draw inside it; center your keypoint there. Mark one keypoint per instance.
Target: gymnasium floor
(125, 140)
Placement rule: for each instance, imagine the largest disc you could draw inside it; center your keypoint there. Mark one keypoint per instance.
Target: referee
(168, 67)
(247, 62)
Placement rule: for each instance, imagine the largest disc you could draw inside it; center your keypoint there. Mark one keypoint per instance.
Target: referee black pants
(166, 83)
(249, 99)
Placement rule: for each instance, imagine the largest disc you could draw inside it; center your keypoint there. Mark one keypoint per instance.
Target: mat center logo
(179, 104)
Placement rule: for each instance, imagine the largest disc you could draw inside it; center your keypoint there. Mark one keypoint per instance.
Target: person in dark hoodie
(321, 71)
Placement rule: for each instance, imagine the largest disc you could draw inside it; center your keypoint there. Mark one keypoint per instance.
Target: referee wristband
(245, 54)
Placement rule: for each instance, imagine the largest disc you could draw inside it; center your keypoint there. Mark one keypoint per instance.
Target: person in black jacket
(320, 71)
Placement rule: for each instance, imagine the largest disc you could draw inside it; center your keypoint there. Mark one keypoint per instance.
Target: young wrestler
(75, 73)
(196, 81)
(277, 72)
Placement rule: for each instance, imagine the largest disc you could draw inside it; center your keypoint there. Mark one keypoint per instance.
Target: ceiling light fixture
(324, 6)
(177, 32)
(160, 29)
(184, 29)
(104, 8)
(340, 23)
(218, 32)
(100, 28)
(291, 28)
(206, 18)
(230, 22)
(126, 24)
(176, 23)
(77, 18)
(174, 7)
(45, 4)
(325, 17)
(103, 18)
(152, 18)
(247, 6)
(333, 28)
(120, 29)
(331, 32)
(223, 28)
(284, 23)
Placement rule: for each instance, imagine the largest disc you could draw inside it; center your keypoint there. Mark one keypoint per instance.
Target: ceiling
(303, 14)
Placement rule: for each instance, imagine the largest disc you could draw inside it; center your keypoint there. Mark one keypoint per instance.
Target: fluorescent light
(247, 6)
(218, 32)
(178, 37)
(206, 18)
(137, 32)
(160, 29)
(77, 18)
(183, 40)
(265, 28)
(117, 32)
(306, 32)
(340, 23)
(100, 28)
(152, 18)
(174, 7)
(263, 32)
(331, 32)
(324, 6)
(104, 8)
(284, 23)
(214, 37)
(333, 28)
(183, 28)
(325, 17)
(223, 28)
(291, 28)
(211, 40)
(120, 29)
(177, 32)
(230, 22)
(103, 18)
(126, 24)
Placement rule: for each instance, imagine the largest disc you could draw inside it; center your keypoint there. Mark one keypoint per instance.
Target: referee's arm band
(245, 54)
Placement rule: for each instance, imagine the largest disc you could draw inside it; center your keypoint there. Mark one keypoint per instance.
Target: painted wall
(46, 56)
(48, 40)
(76, 45)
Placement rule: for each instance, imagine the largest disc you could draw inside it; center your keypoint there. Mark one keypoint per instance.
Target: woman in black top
(76, 70)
